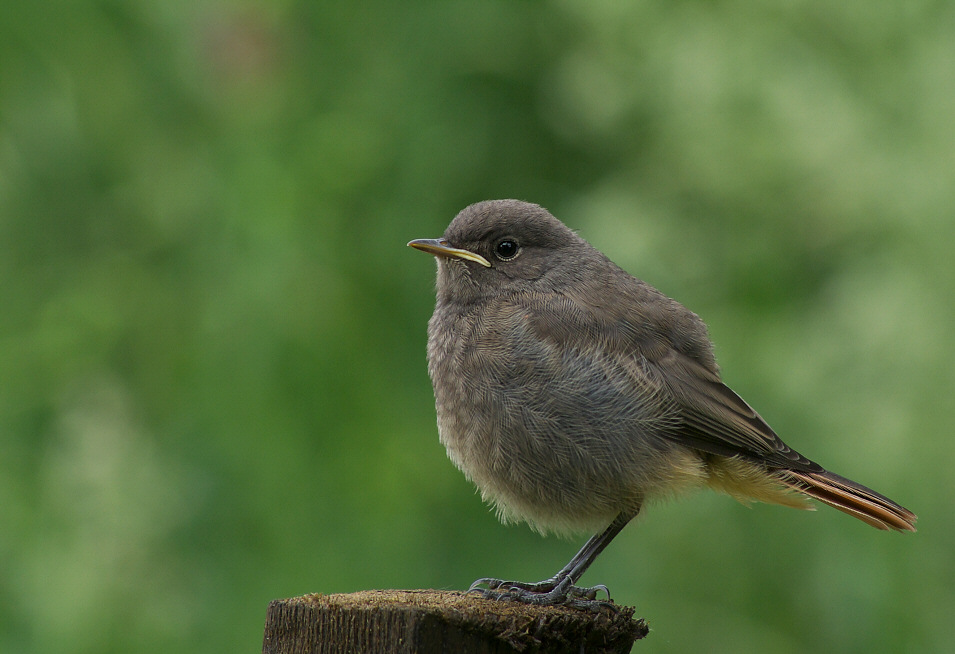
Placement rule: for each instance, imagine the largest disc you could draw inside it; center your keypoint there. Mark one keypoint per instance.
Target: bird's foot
(502, 585)
(550, 592)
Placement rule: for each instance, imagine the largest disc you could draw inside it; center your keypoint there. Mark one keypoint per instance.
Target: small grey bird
(571, 392)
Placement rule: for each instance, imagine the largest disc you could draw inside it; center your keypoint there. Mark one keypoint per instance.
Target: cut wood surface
(419, 621)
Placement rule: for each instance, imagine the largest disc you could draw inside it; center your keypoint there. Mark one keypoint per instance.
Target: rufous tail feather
(850, 497)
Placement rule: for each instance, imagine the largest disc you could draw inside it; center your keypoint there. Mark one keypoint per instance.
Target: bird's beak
(440, 248)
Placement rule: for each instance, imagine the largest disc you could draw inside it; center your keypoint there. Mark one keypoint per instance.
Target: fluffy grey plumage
(570, 392)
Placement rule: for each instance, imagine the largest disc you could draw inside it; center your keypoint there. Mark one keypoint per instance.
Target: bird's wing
(717, 420)
(710, 416)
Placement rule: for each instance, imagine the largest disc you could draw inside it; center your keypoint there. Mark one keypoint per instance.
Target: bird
(571, 393)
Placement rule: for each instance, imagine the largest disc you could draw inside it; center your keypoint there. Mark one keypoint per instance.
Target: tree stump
(426, 621)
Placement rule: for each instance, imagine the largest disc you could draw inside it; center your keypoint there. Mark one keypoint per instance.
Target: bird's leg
(587, 553)
(561, 588)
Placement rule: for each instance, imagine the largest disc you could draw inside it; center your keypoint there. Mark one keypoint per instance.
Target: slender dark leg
(561, 588)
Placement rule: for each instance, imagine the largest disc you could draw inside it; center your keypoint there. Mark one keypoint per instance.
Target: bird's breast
(538, 424)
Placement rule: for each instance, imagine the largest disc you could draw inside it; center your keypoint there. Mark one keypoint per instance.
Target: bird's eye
(506, 249)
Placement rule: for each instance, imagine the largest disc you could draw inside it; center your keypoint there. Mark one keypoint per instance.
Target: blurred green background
(214, 390)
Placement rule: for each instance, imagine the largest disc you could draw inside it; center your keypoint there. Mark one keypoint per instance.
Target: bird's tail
(850, 497)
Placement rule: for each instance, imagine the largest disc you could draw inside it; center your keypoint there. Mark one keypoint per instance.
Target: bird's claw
(498, 584)
(550, 592)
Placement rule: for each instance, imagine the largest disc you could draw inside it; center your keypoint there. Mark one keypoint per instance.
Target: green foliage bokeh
(214, 390)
